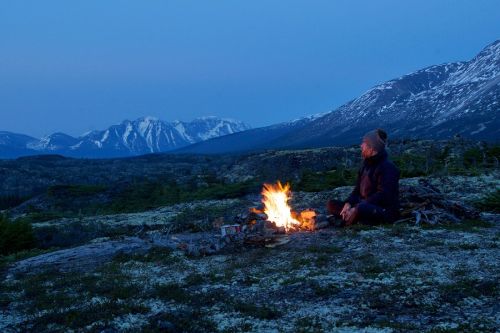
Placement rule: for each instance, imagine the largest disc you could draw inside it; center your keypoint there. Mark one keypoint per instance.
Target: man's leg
(371, 214)
(334, 207)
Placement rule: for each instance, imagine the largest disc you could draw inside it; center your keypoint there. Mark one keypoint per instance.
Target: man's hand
(345, 209)
(351, 215)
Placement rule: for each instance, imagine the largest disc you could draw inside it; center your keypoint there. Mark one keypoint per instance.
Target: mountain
(13, 145)
(249, 140)
(437, 102)
(142, 136)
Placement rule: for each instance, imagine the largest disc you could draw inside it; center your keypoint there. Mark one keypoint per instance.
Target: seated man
(375, 199)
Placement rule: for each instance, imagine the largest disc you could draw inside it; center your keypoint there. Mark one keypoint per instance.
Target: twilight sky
(73, 66)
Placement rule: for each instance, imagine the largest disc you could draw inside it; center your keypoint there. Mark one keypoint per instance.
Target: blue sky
(73, 66)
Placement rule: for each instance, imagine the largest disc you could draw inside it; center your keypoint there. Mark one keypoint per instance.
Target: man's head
(373, 143)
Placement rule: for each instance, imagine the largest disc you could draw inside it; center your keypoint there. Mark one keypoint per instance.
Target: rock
(83, 257)
(321, 224)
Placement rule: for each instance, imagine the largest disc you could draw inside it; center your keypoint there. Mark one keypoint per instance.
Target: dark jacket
(378, 184)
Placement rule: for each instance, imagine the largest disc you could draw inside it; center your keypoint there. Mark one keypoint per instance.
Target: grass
(84, 316)
(329, 249)
(182, 320)
(294, 280)
(300, 262)
(308, 324)
(194, 279)
(323, 291)
(468, 287)
(257, 311)
(321, 260)
(369, 266)
(172, 292)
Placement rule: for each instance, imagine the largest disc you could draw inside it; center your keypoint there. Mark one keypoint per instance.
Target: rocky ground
(397, 278)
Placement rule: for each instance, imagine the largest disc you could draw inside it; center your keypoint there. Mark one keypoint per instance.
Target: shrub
(490, 202)
(75, 190)
(148, 195)
(473, 157)
(15, 236)
(9, 201)
(320, 181)
(412, 165)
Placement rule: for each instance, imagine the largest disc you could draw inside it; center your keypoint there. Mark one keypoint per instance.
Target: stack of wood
(424, 203)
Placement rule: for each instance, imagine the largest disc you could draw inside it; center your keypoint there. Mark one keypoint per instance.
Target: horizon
(181, 62)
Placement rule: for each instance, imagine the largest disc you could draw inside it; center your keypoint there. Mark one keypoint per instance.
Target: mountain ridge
(128, 138)
(436, 102)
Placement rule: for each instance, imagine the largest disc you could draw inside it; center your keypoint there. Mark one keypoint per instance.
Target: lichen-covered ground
(371, 279)
(397, 278)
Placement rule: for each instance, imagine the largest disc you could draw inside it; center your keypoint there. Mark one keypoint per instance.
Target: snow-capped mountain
(13, 144)
(142, 136)
(53, 142)
(435, 102)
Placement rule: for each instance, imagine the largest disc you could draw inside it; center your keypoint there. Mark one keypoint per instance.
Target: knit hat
(376, 140)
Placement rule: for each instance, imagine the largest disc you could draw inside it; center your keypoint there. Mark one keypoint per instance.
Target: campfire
(272, 222)
(275, 198)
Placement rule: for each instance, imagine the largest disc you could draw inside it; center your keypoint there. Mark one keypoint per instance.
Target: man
(375, 198)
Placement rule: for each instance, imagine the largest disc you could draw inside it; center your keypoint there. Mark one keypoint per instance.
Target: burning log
(270, 225)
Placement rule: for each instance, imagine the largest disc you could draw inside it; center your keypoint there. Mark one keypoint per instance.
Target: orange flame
(275, 200)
